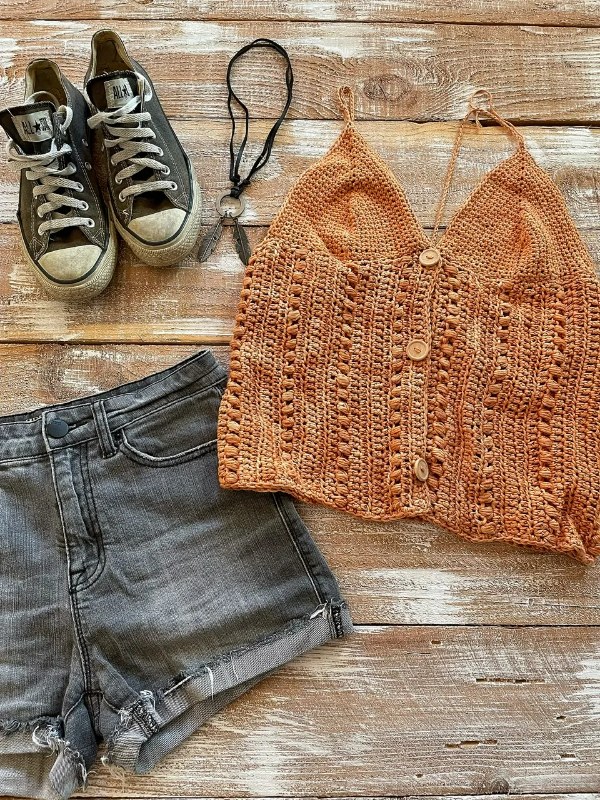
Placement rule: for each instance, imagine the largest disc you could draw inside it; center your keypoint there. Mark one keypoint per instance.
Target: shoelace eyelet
(166, 171)
(84, 206)
(119, 181)
(174, 185)
(79, 187)
(88, 165)
(121, 198)
(90, 223)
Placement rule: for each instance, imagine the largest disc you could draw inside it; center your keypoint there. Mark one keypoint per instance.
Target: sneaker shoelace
(131, 131)
(52, 181)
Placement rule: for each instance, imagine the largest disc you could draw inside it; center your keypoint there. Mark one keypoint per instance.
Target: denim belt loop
(108, 446)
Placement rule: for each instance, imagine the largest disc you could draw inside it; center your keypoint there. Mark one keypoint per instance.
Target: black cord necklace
(230, 204)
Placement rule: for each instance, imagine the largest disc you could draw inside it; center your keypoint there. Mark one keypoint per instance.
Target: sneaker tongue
(113, 89)
(30, 126)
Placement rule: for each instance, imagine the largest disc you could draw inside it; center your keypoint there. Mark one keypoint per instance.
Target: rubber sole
(92, 286)
(165, 255)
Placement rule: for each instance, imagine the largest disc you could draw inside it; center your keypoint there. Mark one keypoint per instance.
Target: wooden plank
(401, 572)
(417, 153)
(394, 711)
(570, 796)
(524, 12)
(405, 71)
(196, 302)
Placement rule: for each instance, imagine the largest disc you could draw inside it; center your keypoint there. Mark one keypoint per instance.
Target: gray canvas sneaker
(154, 197)
(68, 240)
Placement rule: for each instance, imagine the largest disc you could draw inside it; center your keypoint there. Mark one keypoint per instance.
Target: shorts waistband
(29, 434)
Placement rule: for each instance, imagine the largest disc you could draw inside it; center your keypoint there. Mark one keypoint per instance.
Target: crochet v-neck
(439, 234)
(425, 239)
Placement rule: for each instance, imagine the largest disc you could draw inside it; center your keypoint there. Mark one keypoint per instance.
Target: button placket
(411, 350)
(418, 352)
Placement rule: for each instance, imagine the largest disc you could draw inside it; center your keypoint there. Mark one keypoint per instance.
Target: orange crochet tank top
(389, 374)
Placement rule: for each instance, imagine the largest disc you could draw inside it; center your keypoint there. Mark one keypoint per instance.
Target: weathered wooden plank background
(405, 71)
(475, 670)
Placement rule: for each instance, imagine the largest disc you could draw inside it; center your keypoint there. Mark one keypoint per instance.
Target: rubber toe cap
(71, 263)
(158, 227)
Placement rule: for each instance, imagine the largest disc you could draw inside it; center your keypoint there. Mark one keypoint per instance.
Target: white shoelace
(43, 167)
(130, 143)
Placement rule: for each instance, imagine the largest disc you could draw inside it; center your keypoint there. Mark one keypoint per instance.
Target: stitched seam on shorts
(83, 649)
(112, 707)
(81, 644)
(167, 405)
(164, 461)
(21, 459)
(92, 519)
(72, 708)
(286, 522)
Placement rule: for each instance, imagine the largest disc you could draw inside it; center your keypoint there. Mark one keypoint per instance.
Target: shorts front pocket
(179, 431)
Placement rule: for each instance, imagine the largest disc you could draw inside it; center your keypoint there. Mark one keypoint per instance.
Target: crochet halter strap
(452, 377)
(477, 111)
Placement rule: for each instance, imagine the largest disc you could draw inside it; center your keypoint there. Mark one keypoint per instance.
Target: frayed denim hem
(26, 752)
(157, 722)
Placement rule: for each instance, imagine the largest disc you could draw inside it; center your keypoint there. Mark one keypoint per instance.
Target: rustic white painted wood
(575, 12)
(188, 303)
(475, 669)
(402, 71)
(196, 302)
(393, 711)
(417, 154)
(571, 796)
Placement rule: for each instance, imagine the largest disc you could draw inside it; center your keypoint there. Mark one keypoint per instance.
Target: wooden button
(417, 350)
(430, 257)
(421, 469)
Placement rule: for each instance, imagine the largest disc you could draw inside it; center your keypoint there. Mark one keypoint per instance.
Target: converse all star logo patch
(118, 92)
(34, 127)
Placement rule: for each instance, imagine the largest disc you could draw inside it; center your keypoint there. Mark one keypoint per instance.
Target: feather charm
(242, 244)
(209, 242)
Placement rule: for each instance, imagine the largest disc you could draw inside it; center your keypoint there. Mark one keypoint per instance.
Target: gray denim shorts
(137, 597)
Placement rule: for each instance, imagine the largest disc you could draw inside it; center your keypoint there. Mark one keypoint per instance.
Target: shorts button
(57, 428)
(421, 469)
(417, 350)
(430, 257)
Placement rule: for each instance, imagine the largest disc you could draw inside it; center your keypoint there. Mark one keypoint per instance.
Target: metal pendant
(228, 208)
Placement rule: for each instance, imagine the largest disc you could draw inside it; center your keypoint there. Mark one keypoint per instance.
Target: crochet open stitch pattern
(389, 374)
